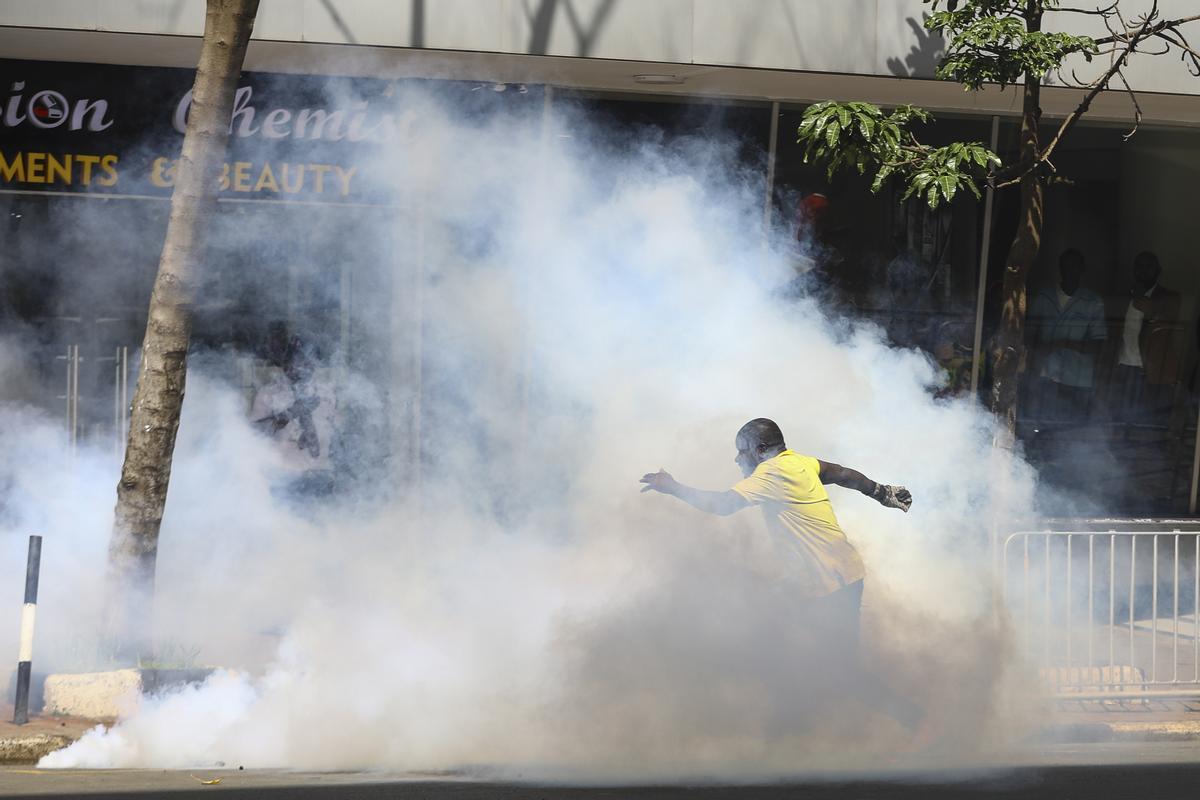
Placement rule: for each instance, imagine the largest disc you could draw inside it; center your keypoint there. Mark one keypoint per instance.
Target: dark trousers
(1057, 402)
(835, 620)
(1137, 400)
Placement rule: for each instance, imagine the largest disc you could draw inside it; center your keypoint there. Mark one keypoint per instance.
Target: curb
(1099, 732)
(30, 749)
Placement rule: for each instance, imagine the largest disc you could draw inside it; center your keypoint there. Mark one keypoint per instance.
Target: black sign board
(72, 127)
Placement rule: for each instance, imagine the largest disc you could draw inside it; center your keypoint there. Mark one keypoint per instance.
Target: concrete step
(112, 693)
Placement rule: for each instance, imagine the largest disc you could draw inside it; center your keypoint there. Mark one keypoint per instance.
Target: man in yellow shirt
(790, 490)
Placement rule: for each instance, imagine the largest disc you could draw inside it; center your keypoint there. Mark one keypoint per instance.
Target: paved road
(1090, 772)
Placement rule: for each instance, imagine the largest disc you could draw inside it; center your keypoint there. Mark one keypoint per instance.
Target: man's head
(1146, 269)
(758, 440)
(1070, 270)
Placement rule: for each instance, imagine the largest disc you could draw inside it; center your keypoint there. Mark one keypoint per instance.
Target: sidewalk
(1068, 722)
(1161, 720)
(25, 744)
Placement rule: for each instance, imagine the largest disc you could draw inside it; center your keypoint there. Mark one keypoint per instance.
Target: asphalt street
(1088, 772)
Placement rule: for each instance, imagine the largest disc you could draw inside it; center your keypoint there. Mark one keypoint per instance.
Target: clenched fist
(893, 496)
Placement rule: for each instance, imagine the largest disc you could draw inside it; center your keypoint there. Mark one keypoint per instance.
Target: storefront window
(1108, 406)
(68, 313)
(76, 276)
(911, 270)
(309, 242)
(693, 128)
(297, 269)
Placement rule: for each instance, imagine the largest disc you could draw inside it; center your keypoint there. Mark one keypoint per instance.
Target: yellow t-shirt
(800, 517)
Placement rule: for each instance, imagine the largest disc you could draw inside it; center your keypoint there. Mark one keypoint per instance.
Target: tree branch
(1095, 12)
(1189, 52)
(1166, 24)
(1137, 109)
(1102, 82)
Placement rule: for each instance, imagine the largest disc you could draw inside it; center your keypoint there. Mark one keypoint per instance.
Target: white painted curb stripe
(28, 612)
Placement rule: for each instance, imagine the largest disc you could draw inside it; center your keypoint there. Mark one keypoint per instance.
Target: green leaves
(848, 135)
(944, 171)
(861, 136)
(990, 41)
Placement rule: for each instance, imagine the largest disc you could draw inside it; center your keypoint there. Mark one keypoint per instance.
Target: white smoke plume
(595, 309)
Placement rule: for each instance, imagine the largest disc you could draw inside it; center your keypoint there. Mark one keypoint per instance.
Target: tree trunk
(1008, 349)
(158, 399)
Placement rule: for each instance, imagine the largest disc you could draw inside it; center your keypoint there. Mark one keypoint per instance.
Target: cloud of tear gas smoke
(594, 309)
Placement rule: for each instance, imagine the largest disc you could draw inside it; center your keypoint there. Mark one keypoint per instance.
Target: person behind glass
(909, 314)
(1068, 334)
(1148, 358)
(824, 567)
(814, 228)
(296, 408)
(814, 259)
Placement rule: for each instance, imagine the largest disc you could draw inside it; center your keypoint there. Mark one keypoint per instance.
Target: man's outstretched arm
(890, 496)
(720, 503)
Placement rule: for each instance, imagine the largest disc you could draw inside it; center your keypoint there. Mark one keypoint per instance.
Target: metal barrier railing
(1107, 630)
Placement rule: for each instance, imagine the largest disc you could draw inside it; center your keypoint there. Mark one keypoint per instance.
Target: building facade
(95, 95)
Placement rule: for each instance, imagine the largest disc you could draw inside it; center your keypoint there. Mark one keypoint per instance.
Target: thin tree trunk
(1008, 350)
(158, 399)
